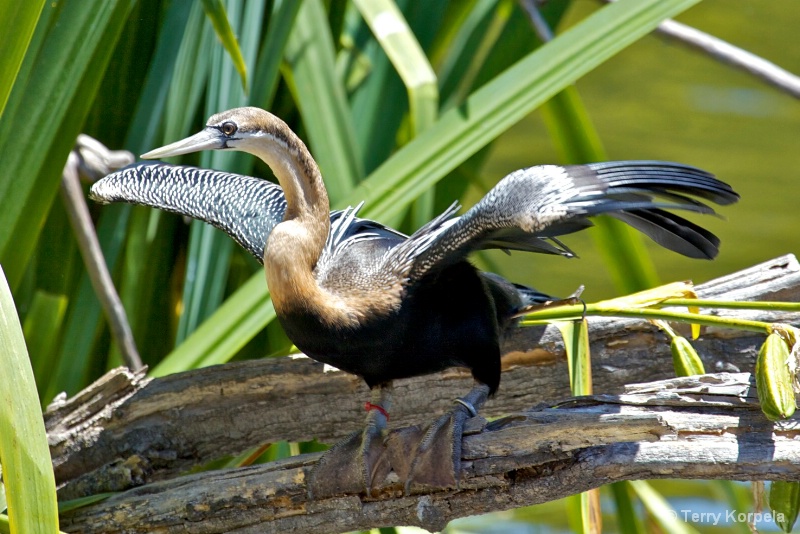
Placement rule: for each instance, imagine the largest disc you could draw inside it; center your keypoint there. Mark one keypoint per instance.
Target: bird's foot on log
(350, 466)
(436, 462)
(354, 464)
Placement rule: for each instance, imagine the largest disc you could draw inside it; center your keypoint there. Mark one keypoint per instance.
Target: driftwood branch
(127, 430)
(728, 53)
(706, 427)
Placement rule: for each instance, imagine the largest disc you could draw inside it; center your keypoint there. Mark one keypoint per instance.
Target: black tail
(637, 193)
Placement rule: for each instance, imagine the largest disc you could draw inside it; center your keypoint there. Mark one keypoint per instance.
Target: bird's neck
(295, 245)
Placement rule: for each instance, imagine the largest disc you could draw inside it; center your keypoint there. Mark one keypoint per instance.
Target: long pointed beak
(207, 139)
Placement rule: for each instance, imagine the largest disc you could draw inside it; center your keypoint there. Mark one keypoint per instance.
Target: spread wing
(245, 208)
(530, 208)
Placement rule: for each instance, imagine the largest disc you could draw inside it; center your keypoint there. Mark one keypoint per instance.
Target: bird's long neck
(295, 245)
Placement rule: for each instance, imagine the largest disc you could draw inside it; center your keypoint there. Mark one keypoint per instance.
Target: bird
(369, 300)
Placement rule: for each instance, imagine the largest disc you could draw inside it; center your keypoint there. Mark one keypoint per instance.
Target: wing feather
(244, 207)
(529, 208)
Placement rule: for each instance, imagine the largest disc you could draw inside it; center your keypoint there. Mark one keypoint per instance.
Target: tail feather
(672, 232)
(658, 176)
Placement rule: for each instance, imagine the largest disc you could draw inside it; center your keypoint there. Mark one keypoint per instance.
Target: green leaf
(210, 250)
(577, 139)
(490, 32)
(24, 453)
(219, 19)
(235, 323)
(73, 52)
(685, 359)
(584, 512)
(267, 72)
(404, 51)
(72, 368)
(42, 331)
(74, 504)
(189, 77)
(627, 520)
(784, 501)
(21, 16)
(320, 97)
(149, 114)
(579, 362)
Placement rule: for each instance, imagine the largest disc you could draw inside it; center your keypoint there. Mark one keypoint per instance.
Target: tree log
(707, 426)
(126, 430)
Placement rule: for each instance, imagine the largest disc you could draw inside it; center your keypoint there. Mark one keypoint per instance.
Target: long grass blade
(74, 366)
(21, 16)
(320, 97)
(149, 115)
(577, 140)
(218, 339)
(42, 331)
(267, 72)
(627, 520)
(658, 507)
(209, 249)
(404, 51)
(24, 454)
(216, 12)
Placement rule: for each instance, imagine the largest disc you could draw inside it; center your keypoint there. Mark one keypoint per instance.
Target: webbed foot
(354, 464)
(436, 462)
(350, 466)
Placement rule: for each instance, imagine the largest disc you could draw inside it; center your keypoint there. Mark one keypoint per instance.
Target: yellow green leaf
(27, 470)
(784, 501)
(773, 379)
(684, 358)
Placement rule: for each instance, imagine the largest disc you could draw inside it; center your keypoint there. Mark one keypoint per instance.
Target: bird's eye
(229, 128)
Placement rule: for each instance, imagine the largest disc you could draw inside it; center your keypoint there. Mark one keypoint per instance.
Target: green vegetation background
(136, 75)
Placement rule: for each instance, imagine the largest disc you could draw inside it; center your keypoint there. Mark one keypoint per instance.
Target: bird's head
(235, 129)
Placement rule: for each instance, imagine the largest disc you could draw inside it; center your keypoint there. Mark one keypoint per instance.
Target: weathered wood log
(707, 427)
(126, 430)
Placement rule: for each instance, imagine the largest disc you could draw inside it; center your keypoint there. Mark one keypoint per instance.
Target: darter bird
(373, 302)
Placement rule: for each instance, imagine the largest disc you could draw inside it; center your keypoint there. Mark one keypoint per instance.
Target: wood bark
(708, 426)
(126, 430)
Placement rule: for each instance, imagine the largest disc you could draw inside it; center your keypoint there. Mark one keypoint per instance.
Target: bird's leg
(437, 460)
(353, 464)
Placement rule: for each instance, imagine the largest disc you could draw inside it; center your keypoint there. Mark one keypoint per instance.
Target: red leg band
(377, 407)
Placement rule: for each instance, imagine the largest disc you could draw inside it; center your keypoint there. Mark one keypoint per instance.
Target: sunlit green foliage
(139, 74)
